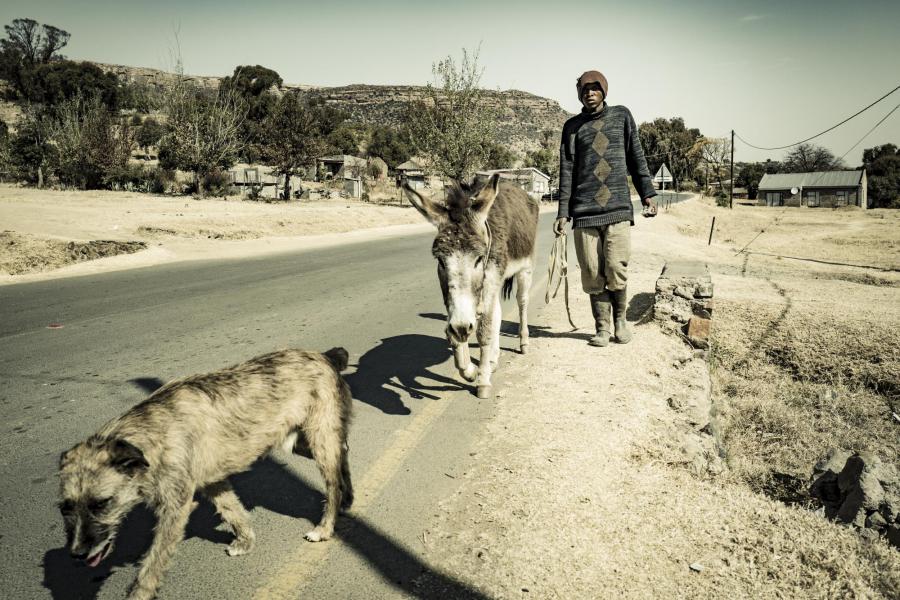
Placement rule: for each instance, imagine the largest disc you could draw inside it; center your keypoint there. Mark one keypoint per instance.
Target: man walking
(600, 148)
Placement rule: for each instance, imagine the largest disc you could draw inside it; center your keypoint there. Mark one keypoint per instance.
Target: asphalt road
(125, 333)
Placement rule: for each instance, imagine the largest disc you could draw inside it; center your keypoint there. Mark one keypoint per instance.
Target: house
(534, 181)
(410, 172)
(340, 166)
(827, 189)
(261, 180)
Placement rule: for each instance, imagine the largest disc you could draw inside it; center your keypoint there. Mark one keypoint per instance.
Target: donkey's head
(461, 248)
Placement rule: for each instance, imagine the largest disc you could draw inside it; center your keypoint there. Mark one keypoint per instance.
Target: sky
(774, 71)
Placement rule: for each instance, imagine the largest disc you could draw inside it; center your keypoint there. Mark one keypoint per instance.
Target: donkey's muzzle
(460, 332)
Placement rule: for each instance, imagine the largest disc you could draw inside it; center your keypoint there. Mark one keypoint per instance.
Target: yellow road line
(300, 566)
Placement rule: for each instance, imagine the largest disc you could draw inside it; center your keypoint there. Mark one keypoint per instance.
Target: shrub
(126, 177)
(216, 182)
(160, 180)
(721, 198)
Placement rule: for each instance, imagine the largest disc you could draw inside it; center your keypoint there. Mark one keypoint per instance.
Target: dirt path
(585, 486)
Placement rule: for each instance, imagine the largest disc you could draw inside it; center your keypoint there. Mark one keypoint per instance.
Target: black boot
(620, 306)
(600, 307)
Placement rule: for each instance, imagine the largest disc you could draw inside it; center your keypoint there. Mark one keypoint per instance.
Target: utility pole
(731, 192)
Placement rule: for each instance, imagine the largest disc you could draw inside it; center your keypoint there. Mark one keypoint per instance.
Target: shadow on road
(148, 384)
(398, 364)
(640, 307)
(270, 485)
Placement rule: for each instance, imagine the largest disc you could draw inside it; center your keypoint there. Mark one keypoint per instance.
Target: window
(812, 197)
(774, 199)
(841, 198)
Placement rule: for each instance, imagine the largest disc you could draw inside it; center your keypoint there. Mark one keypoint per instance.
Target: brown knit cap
(592, 77)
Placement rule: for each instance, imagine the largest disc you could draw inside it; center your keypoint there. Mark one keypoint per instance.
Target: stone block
(698, 331)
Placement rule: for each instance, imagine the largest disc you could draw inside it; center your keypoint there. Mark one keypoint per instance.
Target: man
(600, 147)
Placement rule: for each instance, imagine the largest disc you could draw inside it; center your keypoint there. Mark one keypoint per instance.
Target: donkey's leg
(523, 288)
(488, 338)
(495, 333)
(462, 360)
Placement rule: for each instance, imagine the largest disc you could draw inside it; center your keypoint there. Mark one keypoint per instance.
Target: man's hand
(649, 207)
(559, 225)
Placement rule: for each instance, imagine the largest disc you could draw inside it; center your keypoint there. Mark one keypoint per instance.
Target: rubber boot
(620, 306)
(600, 307)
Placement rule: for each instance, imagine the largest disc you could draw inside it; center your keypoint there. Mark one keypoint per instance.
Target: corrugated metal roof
(823, 179)
(409, 166)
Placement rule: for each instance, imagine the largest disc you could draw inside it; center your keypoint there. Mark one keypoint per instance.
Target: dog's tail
(338, 357)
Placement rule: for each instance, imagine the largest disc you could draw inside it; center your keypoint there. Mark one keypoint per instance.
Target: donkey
(485, 238)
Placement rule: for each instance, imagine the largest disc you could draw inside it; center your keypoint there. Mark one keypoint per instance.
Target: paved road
(126, 333)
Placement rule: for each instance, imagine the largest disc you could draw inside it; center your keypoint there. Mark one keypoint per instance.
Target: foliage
(499, 156)
(393, 146)
(140, 96)
(149, 133)
(160, 180)
(203, 130)
(453, 129)
(343, 141)
(882, 165)
(253, 85)
(749, 176)
(62, 80)
(294, 137)
(809, 158)
(715, 154)
(92, 147)
(216, 182)
(669, 141)
(31, 154)
(27, 45)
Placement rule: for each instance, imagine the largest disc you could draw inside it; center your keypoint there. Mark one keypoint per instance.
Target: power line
(870, 131)
(823, 132)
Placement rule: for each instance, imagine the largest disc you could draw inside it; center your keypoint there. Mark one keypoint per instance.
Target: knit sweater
(599, 150)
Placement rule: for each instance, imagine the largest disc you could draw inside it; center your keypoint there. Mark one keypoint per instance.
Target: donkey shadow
(267, 484)
(396, 365)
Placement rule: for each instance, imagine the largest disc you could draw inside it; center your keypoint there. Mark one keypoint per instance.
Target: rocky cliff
(522, 115)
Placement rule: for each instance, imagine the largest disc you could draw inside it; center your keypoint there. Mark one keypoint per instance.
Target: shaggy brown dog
(190, 435)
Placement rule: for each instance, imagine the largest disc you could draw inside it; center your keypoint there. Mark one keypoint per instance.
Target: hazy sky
(775, 71)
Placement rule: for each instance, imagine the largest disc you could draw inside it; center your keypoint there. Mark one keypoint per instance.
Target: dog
(191, 435)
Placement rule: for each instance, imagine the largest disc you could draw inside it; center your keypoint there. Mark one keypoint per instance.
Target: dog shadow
(400, 364)
(270, 485)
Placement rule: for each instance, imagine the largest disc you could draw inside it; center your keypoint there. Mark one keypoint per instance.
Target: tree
(715, 153)
(809, 158)
(149, 133)
(27, 45)
(295, 137)
(343, 141)
(499, 156)
(669, 141)
(203, 129)
(749, 176)
(92, 146)
(453, 128)
(882, 165)
(393, 146)
(545, 159)
(63, 80)
(254, 86)
(31, 153)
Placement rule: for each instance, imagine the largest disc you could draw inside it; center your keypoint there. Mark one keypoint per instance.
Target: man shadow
(398, 364)
(640, 307)
(269, 485)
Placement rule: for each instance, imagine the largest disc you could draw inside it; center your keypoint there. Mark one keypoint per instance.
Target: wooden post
(731, 192)
(711, 227)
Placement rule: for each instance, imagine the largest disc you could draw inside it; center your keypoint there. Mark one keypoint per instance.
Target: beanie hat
(592, 77)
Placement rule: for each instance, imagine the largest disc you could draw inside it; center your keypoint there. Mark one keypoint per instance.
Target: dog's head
(99, 485)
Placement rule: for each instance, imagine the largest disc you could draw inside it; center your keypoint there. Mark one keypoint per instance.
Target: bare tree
(809, 158)
(455, 126)
(33, 43)
(203, 128)
(715, 154)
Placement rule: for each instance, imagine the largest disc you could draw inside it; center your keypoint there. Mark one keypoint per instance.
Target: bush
(160, 180)
(126, 177)
(688, 186)
(721, 199)
(216, 183)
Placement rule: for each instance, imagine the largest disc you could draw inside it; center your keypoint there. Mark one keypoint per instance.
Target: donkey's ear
(485, 198)
(435, 213)
(126, 458)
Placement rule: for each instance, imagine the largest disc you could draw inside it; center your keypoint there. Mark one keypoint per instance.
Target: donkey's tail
(507, 288)
(338, 357)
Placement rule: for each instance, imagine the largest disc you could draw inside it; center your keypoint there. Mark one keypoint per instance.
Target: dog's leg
(172, 519)
(523, 286)
(325, 444)
(229, 507)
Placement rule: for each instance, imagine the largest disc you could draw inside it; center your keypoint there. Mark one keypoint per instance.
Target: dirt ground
(587, 484)
(37, 227)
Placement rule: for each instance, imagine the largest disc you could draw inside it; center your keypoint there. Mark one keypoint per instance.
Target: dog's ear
(126, 458)
(62, 458)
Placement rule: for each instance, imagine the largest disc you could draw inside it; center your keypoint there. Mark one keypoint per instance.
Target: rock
(696, 567)
(893, 535)
(698, 332)
(684, 292)
(876, 521)
(868, 534)
(834, 461)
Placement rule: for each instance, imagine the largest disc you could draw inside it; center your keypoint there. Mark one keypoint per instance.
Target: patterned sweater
(598, 151)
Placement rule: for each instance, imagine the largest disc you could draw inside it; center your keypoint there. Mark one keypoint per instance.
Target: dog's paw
(240, 546)
(317, 535)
